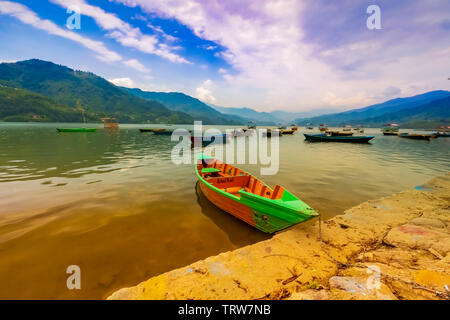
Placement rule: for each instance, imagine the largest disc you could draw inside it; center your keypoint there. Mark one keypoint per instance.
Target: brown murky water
(113, 203)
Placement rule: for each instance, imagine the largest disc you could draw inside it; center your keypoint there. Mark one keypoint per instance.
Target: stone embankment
(396, 247)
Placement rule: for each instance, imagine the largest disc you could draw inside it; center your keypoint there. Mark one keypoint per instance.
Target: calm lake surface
(113, 203)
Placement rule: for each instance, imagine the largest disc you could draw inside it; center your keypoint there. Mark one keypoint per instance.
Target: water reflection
(114, 202)
(237, 231)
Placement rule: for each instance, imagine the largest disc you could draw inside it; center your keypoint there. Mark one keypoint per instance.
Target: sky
(293, 55)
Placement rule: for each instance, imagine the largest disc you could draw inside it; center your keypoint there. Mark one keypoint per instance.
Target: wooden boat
(287, 131)
(76, 129)
(441, 134)
(417, 136)
(328, 138)
(339, 133)
(323, 127)
(162, 132)
(110, 123)
(294, 128)
(390, 133)
(251, 125)
(249, 199)
(270, 132)
(152, 130)
(206, 141)
(390, 129)
(347, 128)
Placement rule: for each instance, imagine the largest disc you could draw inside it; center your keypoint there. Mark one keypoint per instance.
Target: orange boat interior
(231, 180)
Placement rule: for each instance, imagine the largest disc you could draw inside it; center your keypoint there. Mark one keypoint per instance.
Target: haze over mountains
(36, 90)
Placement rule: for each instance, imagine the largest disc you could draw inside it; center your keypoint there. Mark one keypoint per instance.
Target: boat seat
(232, 189)
(210, 170)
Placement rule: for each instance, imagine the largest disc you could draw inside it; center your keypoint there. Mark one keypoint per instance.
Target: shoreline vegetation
(405, 236)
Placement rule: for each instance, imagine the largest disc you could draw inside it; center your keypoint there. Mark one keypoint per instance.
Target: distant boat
(206, 141)
(347, 128)
(157, 131)
(76, 129)
(270, 132)
(309, 126)
(417, 136)
(339, 133)
(287, 131)
(162, 132)
(248, 198)
(328, 138)
(251, 125)
(323, 127)
(145, 130)
(110, 123)
(390, 129)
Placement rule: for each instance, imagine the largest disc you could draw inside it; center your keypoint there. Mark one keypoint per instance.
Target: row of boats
(392, 129)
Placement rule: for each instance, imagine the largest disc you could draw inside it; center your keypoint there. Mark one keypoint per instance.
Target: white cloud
(25, 15)
(204, 92)
(123, 82)
(276, 68)
(123, 32)
(133, 63)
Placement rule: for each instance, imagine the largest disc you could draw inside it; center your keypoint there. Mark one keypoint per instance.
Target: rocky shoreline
(396, 247)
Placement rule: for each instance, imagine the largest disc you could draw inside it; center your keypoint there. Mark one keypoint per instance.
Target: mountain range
(36, 90)
(421, 110)
(69, 90)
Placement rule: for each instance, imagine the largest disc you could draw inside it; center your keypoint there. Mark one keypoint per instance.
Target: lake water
(113, 203)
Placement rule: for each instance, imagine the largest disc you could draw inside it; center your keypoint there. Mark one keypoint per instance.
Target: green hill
(20, 106)
(94, 94)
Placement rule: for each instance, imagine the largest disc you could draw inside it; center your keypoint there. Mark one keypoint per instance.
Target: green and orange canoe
(249, 199)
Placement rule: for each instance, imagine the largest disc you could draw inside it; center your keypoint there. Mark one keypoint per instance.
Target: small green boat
(76, 129)
(248, 198)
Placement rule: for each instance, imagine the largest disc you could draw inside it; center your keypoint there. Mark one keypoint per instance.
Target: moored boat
(323, 127)
(269, 132)
(76, 129)
(390, 129)
(417, 136)
(249, 199)
(287, 131)
(339, 133)
(206, 141)
(329, 138)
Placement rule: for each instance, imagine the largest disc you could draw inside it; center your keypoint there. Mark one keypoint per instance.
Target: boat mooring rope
(341, 265)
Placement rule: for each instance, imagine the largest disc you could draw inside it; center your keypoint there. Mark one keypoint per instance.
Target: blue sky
(269, 55)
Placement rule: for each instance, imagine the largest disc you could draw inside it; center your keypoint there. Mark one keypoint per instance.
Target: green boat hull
(265, 214)
(76, 129)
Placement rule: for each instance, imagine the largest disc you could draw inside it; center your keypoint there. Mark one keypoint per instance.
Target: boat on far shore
(390, 129)
(76, 129)
(416, 136)
(329, 138)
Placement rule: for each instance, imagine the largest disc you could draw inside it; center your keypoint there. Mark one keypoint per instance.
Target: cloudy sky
(269, 55)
